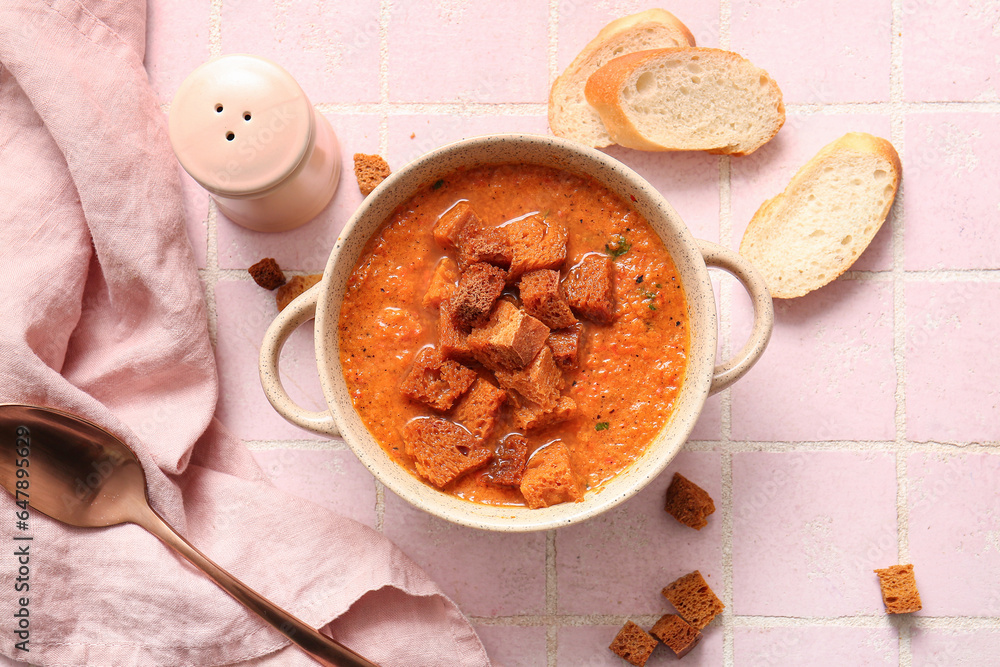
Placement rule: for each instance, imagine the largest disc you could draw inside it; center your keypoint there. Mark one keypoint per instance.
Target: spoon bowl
(75, 472)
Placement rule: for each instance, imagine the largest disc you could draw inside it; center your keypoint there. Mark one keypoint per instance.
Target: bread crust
(603, 92)
(566, 84)
(765, 225)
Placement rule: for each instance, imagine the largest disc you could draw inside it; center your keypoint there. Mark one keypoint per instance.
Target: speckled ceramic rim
(687, 253)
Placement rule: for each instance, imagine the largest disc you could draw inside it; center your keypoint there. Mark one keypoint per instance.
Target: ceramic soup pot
(692, 258)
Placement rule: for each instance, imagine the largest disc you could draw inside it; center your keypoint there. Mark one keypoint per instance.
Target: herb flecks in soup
(514, 335)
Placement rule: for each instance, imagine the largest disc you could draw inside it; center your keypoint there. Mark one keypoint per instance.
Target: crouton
(479, 288)
(899, 589)
(436, 382)
(294, 287)
(442, 283)
(694, 600)
(448, 229)
(508, 464)
(442, 451)
(453, 336)
(479, 243)
(590, 289)
(676, 633)
(688, 503)
(565, 346)
(510, 339)
(479, 409)
(540, 381)
(267, 273)
(543, 300)
(633, 644)
(370, 170)
(536, 242)
(549, 478)
(530, 416)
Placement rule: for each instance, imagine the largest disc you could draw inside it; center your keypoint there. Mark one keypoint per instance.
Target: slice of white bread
(687, 99)
(826, 217)
(570, 116)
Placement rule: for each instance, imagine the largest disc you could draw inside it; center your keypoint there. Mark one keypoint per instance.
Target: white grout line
(541, 109)
(953, 623)
(897, 136)
(215, 28)
(334, 445)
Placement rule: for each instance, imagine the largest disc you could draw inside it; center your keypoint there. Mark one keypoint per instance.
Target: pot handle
(763, 312)
(298, 312)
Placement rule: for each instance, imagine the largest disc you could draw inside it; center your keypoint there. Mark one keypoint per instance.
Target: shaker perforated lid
(240, 125)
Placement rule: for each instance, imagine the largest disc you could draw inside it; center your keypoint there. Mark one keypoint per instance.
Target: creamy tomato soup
(627, 372)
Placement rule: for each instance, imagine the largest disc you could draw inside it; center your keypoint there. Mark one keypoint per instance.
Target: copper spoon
(79, 474)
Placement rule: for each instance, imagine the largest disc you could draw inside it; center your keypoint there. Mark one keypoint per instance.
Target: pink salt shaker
(243, 128)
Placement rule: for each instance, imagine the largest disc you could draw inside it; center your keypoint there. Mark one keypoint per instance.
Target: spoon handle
(325, 650)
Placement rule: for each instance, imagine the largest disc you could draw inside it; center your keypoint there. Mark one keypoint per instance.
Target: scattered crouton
(633, 644)
(543, 300)
(436, 382)
(370, 170)
(688, 503)
(267, 273)
(510, 339)
(508, 464)
(676, 633)
(294, 287)
(549, 478)
(590, 288)
(694, 600)
(531, 416)
(479, 288)
(540, 381)
(536, 242)
(453, 336)
(899, 589)
(479, 409)
(443, 283)
(565, 346)
(443, 451)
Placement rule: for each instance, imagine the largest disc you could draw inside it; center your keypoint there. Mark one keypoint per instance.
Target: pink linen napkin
(104, 317)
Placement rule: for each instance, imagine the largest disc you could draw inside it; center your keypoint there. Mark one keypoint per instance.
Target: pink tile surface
(648, 547)
(829, 51)
(579, 22)
(467, 52)
(196, 202)
(817, 647)
(410, 136)
(513, 646)
(487, 574)
(308, 247)
(808, 528)
(176, 42)
(829, 366)
(957, 322)
(952, 194)
(244, 313)
(765, 173)
(334, 479)
(952, 647)
(932, 30)
(331, 48)
(588, 647)
(688, 181)
(955, 532)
